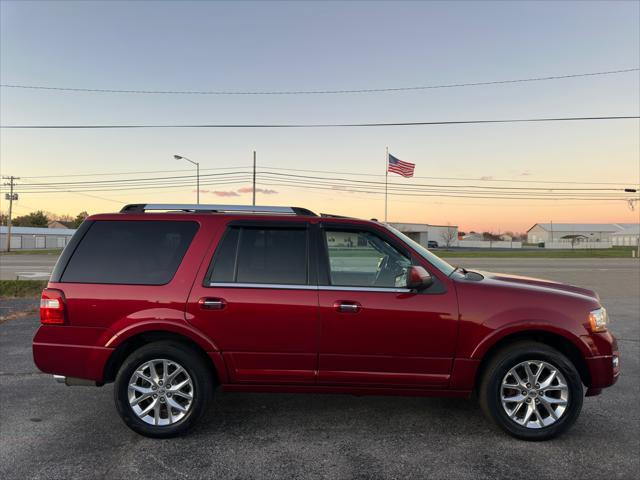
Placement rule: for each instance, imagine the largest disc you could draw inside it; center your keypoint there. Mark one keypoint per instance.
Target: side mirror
(418, 278)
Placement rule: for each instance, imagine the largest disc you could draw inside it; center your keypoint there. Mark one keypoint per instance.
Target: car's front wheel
(532, 391)
(162, 389)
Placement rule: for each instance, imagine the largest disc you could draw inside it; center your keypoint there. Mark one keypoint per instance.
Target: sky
(279, 46)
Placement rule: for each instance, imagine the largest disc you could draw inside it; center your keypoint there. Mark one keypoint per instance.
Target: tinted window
(365, 260)
(130, 252)
(224, 261)
(262, 255)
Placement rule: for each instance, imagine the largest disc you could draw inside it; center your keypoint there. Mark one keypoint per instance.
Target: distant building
(61, 224)
(629, 236)
(576, 232)
(32, 238)
(445, 235)
(473, 236)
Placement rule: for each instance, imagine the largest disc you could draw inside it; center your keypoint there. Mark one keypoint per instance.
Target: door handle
(347, 306)
(212, 303)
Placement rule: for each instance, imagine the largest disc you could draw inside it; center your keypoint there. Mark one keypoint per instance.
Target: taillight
(52, 310)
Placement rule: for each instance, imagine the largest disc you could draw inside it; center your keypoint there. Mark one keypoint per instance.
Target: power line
(339, 172)
(139, 187)
(319, 92)
(453, 195)
(437, 188)
(315, 180)
(490, 187)
(324, 125)
(134, 172)
(127, 180)
(482, 179)
(364, 187)
(474, 204)
(219, 178)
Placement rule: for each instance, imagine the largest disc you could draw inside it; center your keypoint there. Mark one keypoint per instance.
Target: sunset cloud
(221, 193)
(266, 191)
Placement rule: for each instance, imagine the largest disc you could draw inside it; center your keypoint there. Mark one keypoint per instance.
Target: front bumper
(603, 363)
(604, 370)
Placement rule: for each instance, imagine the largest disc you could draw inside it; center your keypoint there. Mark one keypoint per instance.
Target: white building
(577, 232)
(473, 237)
(32, 238)
(628, 236)
(444, 235)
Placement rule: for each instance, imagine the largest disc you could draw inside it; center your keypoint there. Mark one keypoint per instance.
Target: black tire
(507, 358)
(195, 366)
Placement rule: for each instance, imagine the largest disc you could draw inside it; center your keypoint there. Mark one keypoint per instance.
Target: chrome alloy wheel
(534, 394)
(160, 392)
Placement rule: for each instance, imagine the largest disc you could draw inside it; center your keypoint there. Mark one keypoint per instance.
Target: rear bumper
(57, 354)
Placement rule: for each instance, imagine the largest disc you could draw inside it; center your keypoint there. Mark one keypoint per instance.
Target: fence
(488, 244)
(578, 245)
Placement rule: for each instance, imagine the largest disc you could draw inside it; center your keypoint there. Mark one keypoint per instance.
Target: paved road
(51, 431)
(27, 266)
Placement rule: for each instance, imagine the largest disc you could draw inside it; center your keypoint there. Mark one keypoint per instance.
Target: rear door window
(262, 255)
(130, 252)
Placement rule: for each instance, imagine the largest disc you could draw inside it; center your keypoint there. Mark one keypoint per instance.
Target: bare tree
(449, 235)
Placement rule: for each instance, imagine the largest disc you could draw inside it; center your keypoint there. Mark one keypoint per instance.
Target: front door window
(362, 259)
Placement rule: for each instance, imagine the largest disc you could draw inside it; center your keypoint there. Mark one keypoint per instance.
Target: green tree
(492, 237)
(79, 219)
(33, 219)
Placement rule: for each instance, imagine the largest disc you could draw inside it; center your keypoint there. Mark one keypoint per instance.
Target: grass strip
(21, 288)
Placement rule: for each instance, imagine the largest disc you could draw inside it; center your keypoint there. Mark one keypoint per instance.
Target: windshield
(434, 260)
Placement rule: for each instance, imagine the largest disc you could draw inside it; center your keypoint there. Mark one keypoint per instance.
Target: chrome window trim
(364, 289)
(280, 286)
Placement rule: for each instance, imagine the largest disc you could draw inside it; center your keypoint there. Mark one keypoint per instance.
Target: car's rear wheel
(532, 391)
(162, 389)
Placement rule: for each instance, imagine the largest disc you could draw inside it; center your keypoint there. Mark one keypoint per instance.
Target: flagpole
(386, 176)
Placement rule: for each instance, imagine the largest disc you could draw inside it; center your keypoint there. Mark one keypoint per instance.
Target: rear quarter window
(130, 252)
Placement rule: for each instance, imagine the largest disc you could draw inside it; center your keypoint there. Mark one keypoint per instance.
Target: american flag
(401, 168)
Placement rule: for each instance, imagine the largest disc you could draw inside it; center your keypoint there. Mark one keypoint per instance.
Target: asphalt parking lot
(51, 431)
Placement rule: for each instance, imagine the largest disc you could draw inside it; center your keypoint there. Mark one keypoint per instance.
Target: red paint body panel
(284, 339)
(70, 351)
(395, 338)
(261, 329)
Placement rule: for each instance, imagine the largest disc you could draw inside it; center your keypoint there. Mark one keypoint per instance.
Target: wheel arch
(552, 339)
(128, 345)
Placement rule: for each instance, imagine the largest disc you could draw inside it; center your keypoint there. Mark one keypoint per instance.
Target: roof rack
(191, 207)
(331, 215)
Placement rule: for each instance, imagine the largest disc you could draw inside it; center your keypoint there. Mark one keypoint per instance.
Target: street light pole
(180, 157)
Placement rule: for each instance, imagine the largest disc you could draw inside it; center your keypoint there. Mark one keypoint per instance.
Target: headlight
(598, 320)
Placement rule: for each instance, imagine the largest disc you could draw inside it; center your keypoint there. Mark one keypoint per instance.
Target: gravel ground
(51, 431)
(10, 308)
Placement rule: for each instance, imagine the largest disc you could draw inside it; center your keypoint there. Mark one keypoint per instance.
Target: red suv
(170, 301)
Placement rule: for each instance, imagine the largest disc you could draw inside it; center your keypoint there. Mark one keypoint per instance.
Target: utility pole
(254, 178)
(11, 197)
